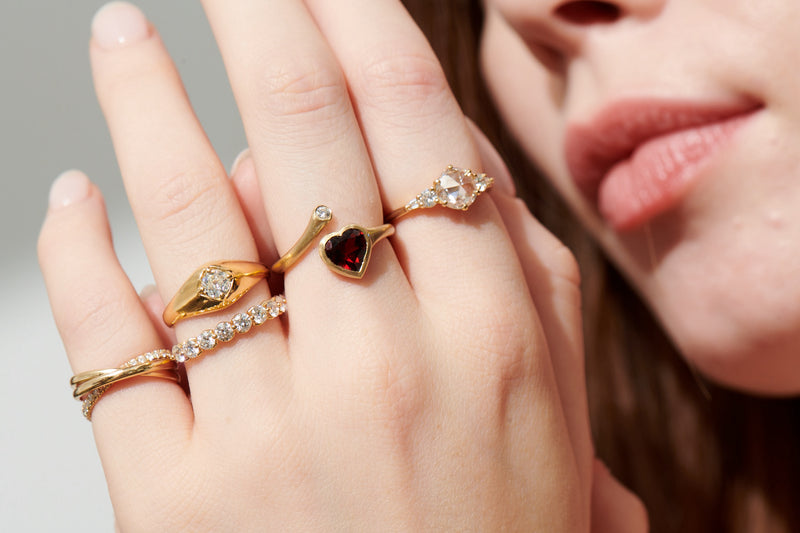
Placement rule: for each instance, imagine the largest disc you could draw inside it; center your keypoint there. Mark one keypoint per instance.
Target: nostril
(585, 12)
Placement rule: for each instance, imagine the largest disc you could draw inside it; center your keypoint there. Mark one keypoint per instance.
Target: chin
(736, 338)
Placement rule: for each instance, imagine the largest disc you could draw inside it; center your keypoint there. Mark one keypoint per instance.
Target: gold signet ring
(213, 287)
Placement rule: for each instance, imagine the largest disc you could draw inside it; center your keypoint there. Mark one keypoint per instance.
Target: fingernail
(70, 187)
(119, 24)
(147, 291)
(239, 158)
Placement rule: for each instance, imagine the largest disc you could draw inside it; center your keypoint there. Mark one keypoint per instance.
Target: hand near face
(443, 390)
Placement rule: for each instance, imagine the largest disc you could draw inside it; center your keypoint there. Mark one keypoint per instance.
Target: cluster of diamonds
(455, 188)
(216, 283)
(88, 403)
(227, 330)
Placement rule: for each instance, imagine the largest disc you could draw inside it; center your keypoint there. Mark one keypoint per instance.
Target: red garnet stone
(347, 250)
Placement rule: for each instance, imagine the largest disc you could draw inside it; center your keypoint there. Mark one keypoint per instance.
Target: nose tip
(588, 12)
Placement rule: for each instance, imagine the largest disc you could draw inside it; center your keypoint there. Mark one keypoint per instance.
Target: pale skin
(720, 267)
(440, 392)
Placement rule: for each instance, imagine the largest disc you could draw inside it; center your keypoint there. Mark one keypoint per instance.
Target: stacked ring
(90, 386)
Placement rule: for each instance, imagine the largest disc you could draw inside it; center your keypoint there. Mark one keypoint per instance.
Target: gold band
(213, 287)
(455, 188)
(347, 251)
(319, 219)
(91, 385)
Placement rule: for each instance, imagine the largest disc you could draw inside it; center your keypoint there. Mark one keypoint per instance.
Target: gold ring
(90, 386)
(213, 287)
(347, 251)
(319, 219)
(455, 188)
(225, 331)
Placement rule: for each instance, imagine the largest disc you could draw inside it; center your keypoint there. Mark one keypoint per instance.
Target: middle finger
(308, 150)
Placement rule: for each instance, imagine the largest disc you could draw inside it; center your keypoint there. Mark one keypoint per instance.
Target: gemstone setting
(216, 283)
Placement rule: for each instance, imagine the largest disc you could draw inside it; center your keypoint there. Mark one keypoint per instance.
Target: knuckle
(185, 196)
(392, 77)
(93, 319)
(387, 388)
(304, 88)
(564, 265)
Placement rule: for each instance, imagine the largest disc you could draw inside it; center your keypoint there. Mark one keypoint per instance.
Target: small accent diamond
(207, 340)
(178, 354)
(274, 308)
(259, 314)
(191, 348)
(224, 331)
(428, 198)
(242, 322)
(216, 282)
(322, 212)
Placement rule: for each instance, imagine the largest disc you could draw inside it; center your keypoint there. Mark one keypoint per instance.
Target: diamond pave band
(455, 188)
(90, 386)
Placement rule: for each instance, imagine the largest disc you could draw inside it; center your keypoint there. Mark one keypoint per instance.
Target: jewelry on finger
(319, 219)
(455, 188)
(347, 252)
(225, 331)
(90, 386)
(213, 287)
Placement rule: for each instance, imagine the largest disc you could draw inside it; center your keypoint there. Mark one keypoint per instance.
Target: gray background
(50, 475)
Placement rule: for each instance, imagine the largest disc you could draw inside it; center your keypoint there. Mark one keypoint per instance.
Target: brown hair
(702, 458)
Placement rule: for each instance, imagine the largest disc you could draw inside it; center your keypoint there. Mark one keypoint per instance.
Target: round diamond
(322, 212)
(224, 331)
(455, 188)
(142, 359)
(242, 322)
(191, 348)
(274, 308)
(207, 340)
(427, 198)
(216, 282)
(178, 354)
(259, 314)
(151, 356)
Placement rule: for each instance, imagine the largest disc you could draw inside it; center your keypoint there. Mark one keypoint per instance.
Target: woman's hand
(443, 391)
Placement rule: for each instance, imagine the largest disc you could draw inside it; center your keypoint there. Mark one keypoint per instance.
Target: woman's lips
(639, 159)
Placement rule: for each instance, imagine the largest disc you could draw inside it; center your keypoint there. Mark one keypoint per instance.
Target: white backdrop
(50, 475)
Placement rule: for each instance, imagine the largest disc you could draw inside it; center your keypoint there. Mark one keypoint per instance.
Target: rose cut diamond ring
(455, 188)
(213, 287)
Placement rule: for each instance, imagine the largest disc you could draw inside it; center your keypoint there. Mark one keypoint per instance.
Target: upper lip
(613, 134)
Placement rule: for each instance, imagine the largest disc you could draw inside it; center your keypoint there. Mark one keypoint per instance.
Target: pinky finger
(103, 323)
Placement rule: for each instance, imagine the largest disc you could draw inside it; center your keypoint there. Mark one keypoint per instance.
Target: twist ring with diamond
(347, 252)
(455, 188)
(89, 386)
(213, 287)
(319, 219)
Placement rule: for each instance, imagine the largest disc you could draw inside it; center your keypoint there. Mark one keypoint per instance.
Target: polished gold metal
(319, 219)
(371, 236)
(468, 186)
(90, 386)
(192, 299)
(86, 382)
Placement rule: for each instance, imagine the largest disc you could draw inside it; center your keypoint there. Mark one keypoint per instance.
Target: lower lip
(660, 172)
